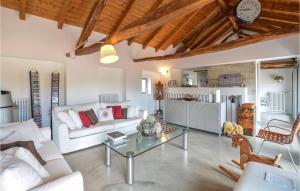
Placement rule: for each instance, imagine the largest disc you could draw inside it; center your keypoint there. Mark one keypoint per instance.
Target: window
(146, 86)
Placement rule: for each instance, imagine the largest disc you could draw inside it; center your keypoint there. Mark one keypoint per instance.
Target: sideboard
(199, 115)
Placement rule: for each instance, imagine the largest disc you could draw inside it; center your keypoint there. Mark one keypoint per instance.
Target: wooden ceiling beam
(22, 9)
(63, 13)
(180, 27)
(278, 33)
(213, 10)
(275, 22)
(192, 39)
(154, 20)
(162, 42)
(216, 35)
(207, 32)
(254, 28)
(234, 24)
(90, 23)
(153, 7)
(274, 65)
(281, 15)
(158, 18)
(152, 36)
(123, 17)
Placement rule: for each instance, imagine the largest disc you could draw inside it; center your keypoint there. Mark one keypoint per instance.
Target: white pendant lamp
(108, 54)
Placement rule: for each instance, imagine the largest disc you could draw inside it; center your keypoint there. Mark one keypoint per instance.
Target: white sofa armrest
(72, 182)
(46, 132)
(60, 135)
(143, 113)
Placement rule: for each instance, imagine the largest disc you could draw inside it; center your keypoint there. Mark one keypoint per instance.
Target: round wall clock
(247, 11)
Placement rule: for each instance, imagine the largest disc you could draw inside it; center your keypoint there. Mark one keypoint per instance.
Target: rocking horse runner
(246, 155)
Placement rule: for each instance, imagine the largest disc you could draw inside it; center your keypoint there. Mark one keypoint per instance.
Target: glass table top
(138, 144)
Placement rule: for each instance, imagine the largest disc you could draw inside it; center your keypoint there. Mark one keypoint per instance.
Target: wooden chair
(247, 155)
(280, 138)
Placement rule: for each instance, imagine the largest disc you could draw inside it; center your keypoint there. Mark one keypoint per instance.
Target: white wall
(15, 77)
(268, 84)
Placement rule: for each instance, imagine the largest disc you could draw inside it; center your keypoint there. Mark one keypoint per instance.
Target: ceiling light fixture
(107, 53)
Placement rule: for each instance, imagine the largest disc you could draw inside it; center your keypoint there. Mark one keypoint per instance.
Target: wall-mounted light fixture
(279, 78)
(164, 71)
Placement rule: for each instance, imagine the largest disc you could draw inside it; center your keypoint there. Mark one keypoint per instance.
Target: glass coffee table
(138, 144)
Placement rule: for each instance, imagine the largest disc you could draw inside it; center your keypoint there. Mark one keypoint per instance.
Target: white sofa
(253, 178)
(61, 176)
(72, 140)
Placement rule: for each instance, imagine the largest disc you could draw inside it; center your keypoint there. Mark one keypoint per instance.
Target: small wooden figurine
(247, 155)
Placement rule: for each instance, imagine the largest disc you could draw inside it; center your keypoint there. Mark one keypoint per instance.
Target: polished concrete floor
(168, 167)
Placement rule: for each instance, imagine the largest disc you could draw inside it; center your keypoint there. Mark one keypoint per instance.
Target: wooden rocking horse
(247, 155)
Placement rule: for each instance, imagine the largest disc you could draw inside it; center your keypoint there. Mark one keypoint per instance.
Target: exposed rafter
(156, 19)
(216, 35)
(153, 7)
(63, 13)
(198, 42)
(151, 37)
(234, 24)
(90, 22)
(278, 33)
(183, 20)
(208, 14)
(180, 26)
(280, 15)
(123, 17)
(22, 9)
(276, 22)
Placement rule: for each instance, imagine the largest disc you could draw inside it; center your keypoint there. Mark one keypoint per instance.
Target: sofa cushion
(57, 168)
(120, 123)
(84, 119)
(98, 128)
(49, 151)
(117, 111)
(92, 116)
(29, 145)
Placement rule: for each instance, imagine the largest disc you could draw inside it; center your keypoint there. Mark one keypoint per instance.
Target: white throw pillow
(105, 114)
(133, 111)
(28, 128)
(26, 156)
(75, 118)
(17, 175)
(65, 117)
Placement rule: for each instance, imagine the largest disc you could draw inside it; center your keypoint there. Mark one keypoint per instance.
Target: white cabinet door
(175, 112)
(204, 116)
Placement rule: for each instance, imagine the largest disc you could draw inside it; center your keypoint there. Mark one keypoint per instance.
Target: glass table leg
(184, 143)
(130, 168)
(107, 156)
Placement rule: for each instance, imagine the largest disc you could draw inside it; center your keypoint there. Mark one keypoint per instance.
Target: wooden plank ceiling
(191, 26)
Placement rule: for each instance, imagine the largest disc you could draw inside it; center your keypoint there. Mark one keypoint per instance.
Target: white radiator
(108, 98)
(24, 108)
(276, 102)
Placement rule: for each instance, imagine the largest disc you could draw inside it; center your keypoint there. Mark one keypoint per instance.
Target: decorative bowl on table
(149, 127)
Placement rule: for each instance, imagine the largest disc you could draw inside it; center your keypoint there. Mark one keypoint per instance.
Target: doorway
(279, 90)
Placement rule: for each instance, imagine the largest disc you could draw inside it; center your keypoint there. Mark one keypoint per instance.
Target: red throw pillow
(117, 111)
(84, 119)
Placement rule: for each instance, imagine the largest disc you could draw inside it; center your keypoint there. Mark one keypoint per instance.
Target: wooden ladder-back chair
(280, 138)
